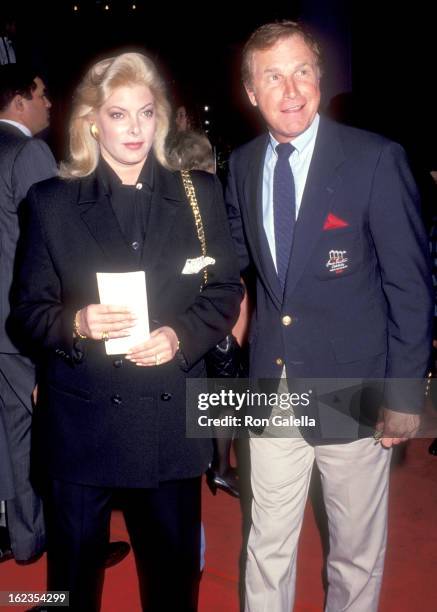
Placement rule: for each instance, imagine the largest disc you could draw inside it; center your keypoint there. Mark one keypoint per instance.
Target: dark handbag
(223, 361)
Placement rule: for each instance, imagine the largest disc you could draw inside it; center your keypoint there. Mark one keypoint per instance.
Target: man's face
(285, 87)
(36, 112)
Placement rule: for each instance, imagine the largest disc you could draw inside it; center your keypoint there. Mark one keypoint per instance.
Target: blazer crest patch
(337, 261)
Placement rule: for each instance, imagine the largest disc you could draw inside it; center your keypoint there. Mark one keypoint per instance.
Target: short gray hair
(268, 35)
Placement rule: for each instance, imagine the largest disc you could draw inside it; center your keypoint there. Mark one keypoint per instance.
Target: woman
(183, 120)
(119, 421)
(193, 151)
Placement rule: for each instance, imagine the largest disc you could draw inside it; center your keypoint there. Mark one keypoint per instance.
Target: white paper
(126, 289)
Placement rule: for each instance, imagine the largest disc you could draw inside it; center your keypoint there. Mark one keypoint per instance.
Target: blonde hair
(98, 84)
(191, 151)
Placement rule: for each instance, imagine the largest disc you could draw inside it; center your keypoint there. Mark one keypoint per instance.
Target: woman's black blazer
(102, 420)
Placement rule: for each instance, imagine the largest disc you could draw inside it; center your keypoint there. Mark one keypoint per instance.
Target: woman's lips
(134, 146)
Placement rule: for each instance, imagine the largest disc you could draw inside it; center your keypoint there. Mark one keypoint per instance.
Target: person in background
(193, 151)
(183, 120)
(433, 248)
(118, 422)
(24, 160)
(8, 28)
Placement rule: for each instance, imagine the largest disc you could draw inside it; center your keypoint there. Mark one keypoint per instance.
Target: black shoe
(227, 482)
(433, 448)
(6, 551)
(116, 552)
(32, 559)
(6, 554)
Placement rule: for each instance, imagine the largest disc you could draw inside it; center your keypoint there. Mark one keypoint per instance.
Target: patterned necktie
(284, 209)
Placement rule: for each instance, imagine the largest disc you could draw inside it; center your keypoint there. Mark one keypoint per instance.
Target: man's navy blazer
(358, 289)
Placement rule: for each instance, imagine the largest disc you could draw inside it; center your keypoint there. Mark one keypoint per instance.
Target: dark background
(381, 55)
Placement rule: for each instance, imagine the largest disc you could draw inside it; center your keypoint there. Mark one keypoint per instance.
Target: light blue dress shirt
(300, 161)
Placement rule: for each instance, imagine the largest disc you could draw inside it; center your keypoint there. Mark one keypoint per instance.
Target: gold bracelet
(76, 327)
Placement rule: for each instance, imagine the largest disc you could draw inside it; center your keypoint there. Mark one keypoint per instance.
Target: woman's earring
(94, 131)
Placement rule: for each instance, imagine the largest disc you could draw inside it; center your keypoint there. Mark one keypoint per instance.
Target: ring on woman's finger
(105, 336)
(157, 359)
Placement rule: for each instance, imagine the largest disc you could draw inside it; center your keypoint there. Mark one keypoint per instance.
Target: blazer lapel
(320, 187)
(253, 192)
(167, 196)
(98, 216)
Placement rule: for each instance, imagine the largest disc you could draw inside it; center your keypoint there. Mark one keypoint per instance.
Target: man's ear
(17, 104)
(251, 95)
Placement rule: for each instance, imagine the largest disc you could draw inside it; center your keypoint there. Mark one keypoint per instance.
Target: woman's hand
(160, 348)
(102, 322)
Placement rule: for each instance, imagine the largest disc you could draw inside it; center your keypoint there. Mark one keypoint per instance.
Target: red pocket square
(333, 222)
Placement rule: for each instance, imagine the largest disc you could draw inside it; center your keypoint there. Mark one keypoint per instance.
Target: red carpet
(410, 581)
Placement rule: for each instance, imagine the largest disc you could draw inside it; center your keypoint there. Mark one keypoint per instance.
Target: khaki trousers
(355, 479)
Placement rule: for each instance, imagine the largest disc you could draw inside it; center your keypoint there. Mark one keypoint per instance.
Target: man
(7, 36)
(24, 160)
(328, 216)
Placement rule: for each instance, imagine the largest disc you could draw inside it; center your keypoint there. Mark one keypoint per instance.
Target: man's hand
(397, 427)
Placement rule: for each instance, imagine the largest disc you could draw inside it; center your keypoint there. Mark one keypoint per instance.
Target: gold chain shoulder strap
(192, 199)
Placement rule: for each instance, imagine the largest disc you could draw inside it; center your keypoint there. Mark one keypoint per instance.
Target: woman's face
(182, 120)
(126, 126)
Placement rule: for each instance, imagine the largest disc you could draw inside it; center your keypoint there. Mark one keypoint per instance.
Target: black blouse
(131, 203)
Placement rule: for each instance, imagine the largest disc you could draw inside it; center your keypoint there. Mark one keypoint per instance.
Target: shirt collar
(111, 180)
(19, 126)
(301, 142)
